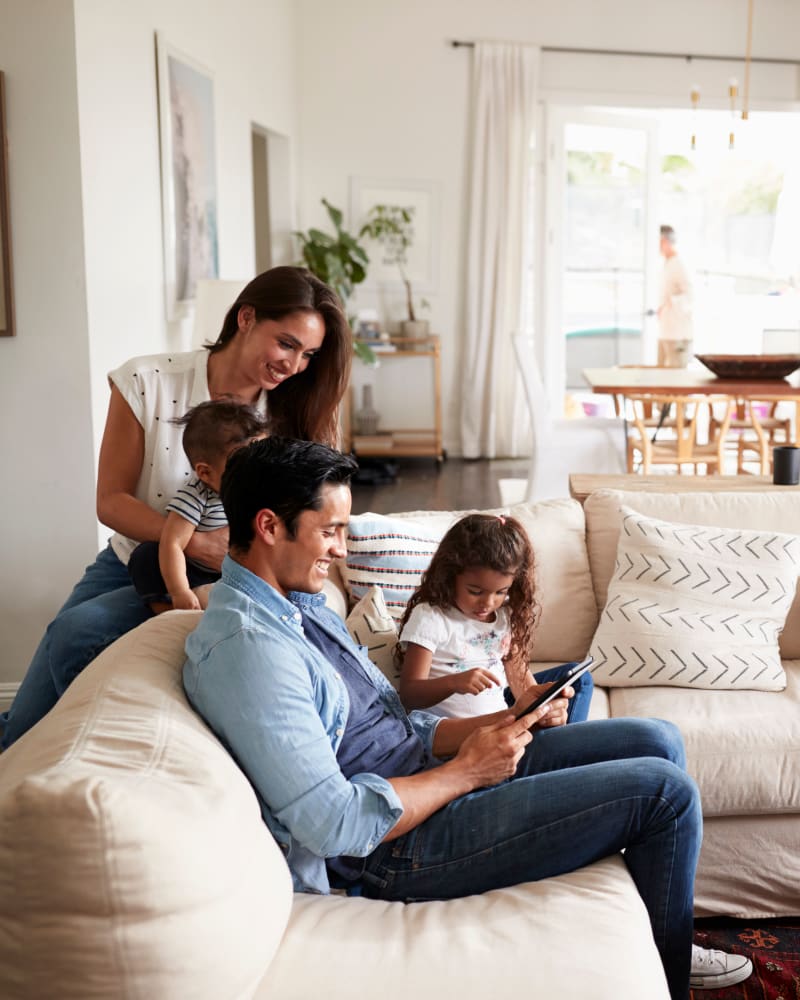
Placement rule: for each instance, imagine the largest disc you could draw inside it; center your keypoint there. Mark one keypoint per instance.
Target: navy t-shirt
(374, 741)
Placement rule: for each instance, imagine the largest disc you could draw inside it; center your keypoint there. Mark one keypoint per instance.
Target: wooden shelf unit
(402, 442)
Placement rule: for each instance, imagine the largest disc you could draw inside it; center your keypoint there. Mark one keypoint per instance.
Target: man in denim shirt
(360, 794)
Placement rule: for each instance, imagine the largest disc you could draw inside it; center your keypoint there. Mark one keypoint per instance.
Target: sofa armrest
(131, 844)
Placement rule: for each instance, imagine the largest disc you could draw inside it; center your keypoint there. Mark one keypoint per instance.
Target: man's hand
(486, 756)
(491, 754)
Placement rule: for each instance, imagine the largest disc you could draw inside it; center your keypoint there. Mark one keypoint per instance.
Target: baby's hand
(474, 681)
(185, 600)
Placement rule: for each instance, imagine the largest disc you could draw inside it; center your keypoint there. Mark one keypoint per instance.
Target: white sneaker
(714, 970)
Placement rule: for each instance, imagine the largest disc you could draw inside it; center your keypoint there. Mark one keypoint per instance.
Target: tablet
(558, 686)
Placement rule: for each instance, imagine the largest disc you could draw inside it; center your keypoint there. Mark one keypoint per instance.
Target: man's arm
(255, 690)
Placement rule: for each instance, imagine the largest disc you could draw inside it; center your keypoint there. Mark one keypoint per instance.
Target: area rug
(773, 946)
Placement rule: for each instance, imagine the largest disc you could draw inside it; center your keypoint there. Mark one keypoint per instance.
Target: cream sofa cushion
(538, 940)
(741, 746)
(556, 529)
(696, 606)
(133, 857)
(371, 625)
(749, 867)
(760, 511)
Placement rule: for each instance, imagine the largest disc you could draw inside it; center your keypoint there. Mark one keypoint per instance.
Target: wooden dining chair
(759, 434)
(677, 445)
(750, 432)
(653, 416)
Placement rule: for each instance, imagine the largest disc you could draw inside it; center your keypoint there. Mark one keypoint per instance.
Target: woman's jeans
(580, 793)
(102, 607)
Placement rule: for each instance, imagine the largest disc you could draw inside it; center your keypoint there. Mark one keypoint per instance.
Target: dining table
(633, 381)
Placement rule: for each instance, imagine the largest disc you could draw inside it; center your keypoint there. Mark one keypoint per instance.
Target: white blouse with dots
(159, 388)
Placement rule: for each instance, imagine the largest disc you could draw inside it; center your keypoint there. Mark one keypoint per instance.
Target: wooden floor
(457, 484)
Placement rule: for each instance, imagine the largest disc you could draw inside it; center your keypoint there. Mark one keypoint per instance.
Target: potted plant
(338, 260)
(393, 227)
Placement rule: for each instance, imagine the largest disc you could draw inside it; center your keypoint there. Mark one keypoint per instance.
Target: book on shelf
(382, 347)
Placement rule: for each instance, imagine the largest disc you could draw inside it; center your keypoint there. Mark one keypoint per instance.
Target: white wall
(86, 217)
(385, 96)
(379, 93)
(48, 526)
(248, 48)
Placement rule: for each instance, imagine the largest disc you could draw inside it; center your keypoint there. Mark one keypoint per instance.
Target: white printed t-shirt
(459, 643)
(159, 388)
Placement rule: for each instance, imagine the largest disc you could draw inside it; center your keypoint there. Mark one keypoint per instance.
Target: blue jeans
(580, 793)
(102, 607)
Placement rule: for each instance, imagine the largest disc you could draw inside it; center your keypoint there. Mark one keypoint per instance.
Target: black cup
(786, 466)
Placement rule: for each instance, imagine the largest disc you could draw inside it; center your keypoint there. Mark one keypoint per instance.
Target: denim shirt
(281, 708)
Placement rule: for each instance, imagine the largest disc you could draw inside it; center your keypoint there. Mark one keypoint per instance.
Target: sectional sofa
(134, 862)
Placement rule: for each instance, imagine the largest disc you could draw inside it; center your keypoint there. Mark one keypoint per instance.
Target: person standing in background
(675, 308)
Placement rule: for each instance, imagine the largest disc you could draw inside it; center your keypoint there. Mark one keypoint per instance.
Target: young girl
(467, 629)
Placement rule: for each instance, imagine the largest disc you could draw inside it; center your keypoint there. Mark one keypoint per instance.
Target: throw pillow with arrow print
(696, 606)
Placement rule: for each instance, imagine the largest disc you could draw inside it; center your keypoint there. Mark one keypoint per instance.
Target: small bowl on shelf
(756, 366)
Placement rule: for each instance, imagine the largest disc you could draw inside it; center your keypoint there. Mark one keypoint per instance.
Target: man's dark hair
(668, 233)
(282, 475)
(212, 428)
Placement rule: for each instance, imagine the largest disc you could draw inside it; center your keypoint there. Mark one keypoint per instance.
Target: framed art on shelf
(188, 175)
(423, 199)
(6, 283)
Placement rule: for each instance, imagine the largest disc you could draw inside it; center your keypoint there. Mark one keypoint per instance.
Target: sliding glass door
(601, 250)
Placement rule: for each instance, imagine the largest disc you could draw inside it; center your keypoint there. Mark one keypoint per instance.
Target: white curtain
(504, 93)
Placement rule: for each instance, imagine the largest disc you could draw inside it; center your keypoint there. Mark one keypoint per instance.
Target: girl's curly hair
(500, 544)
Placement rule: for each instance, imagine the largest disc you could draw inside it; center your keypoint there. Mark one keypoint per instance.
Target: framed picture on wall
(423, 199)
(188, 175)
(6, 283)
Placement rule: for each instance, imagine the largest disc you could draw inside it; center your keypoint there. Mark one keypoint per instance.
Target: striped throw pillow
(390, 553)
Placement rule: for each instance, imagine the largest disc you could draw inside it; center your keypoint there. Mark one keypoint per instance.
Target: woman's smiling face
(275, 349)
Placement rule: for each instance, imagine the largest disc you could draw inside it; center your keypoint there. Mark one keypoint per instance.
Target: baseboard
(8, 691)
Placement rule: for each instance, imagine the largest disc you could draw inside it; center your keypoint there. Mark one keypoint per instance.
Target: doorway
(271, 198)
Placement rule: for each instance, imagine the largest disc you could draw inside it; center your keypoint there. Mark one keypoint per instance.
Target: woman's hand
(209, 548)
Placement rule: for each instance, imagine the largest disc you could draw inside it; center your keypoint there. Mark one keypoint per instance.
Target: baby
(160, 571)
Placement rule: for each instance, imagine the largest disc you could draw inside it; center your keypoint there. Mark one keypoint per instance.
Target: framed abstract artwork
(6, 282)
(188, 175)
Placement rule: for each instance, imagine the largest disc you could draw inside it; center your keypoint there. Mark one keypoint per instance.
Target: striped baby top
(200, 505)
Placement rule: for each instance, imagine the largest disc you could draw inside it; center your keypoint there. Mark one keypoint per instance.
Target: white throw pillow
(696, 606)
(371, 625)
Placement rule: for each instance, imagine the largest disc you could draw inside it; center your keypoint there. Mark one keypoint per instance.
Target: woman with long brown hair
(285, 348)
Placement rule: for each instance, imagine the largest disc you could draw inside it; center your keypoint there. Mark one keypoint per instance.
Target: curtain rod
(649, 55)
